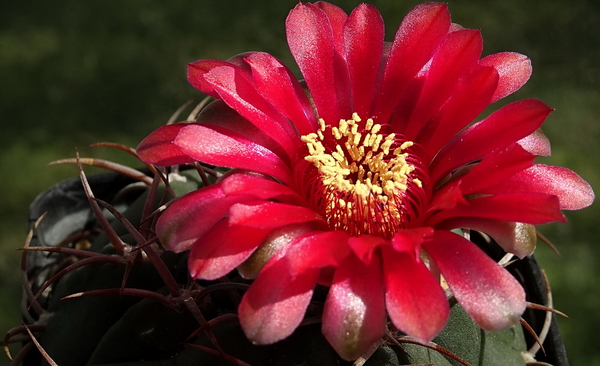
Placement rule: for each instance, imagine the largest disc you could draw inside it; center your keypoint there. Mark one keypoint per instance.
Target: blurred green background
(73, 73)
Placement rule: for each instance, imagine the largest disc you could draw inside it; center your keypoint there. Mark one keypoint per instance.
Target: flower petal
(273, 243)
(237, 90)
(275, 304)
(573, 192)
(158, 147)
(312, 42)
(470, 97)
(354, 312)
(489, 293)
(514, 70)
(270, 215)
(509, 124)
(418, 36)
(242, 183)
(414, 299)
(532, 208)
(514, 237)
(363, 246)
(218, 113)
(458, 53)
(496, 167)
(196, 71)
(222, 249)
(276, 83)
(537, 143)
(363, 36)
(318, 250)
(409, 241)
(190, 216)
(446, 198)
(337, 18)
(218, 146)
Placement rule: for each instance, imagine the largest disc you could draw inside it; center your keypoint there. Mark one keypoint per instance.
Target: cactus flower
(355, 176)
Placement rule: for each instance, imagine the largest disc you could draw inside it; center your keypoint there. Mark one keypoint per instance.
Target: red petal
(409, 241)
(337, 18)
(273, 243)
(235, 89)
(414, 299)
(221, 147)
(496, 167)
(158, 147)
(276, 83)
(239, 60)
(446, 198)
(222, 249)
(363, 35)
(259, 187)
(573, 192)
(509, 124)
(220, 114)
(354, 313)
(270, 215)
(274, 305)
(490, 295)
(418, 36)
(313, 45)
(458, 53)
(514, 237)
(537, 143)
(514, 70)
(190, 216)
(196, 71)
(531, 208)
(363, 246)
(318, 250)
(470, 97)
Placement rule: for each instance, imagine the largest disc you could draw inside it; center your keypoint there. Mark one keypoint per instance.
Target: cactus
(90, 303)
(348, 218)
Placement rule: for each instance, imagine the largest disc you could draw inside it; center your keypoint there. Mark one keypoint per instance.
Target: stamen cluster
(363, 175)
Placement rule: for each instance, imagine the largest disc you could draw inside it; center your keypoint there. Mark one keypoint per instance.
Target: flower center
(366, 181)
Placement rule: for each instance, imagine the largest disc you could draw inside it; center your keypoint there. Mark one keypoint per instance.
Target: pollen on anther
(405, 145)
(367, 140)
(343, 127)
(337, 156)
(322, 124)
(336, 133)
(363, 175)
(376, 143)
(320, 134)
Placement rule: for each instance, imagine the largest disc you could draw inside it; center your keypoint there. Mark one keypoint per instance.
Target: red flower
(355, 177)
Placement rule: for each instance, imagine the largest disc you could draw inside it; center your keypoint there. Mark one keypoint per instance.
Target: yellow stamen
(363, 176)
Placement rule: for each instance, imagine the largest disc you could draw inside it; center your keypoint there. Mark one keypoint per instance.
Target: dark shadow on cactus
(530, 275)
(69, 216)
(535, 285)
(127, 330)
